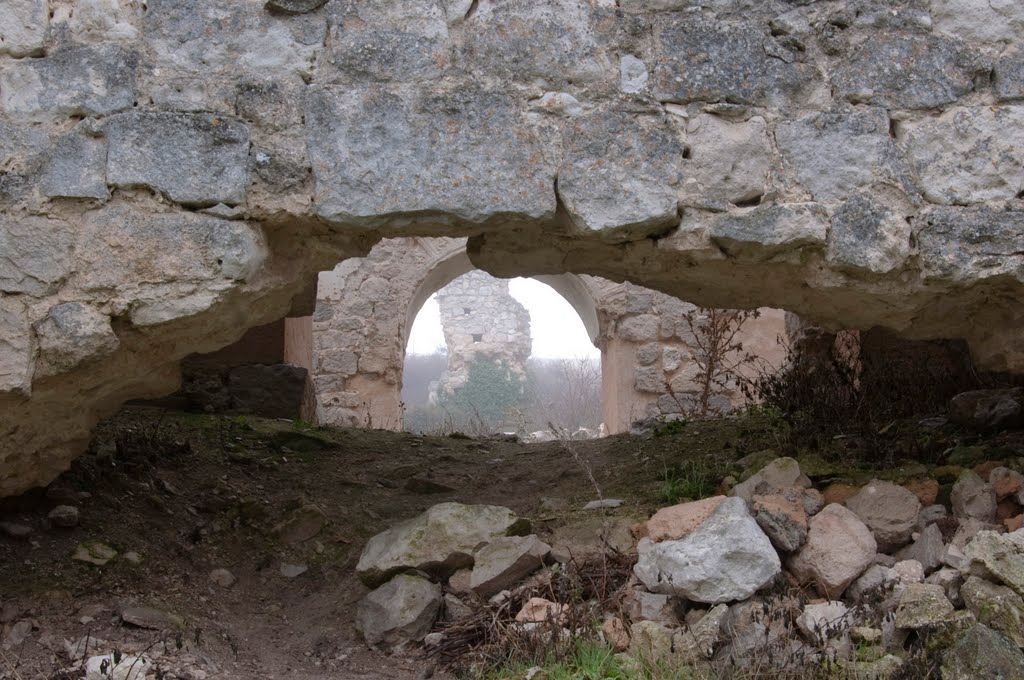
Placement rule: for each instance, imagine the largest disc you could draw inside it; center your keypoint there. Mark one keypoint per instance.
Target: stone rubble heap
(773, 570)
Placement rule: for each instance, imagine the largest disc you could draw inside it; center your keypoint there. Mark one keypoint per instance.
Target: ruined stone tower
(481, 320)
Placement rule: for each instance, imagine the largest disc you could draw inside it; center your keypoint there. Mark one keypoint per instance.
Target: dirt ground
(180, 495)
(188, 494)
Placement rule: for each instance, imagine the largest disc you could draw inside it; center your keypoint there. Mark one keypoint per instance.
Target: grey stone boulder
(927, 549)
(877, 583)
(439, 541)
(965, 243)
(869, 236)
(384, 41)
(839, 548)
(995, 606)
(997, 557)
(982, 653)
(71, 334)
(551, 43)
(196, 159)
(923, 605)
(988, 409)
(766, 232)
(1008, 82)
(973, 498)
(66, 516)
(505, 561)
(151, 618)
(779, 474)
(400, 611)
(783, 520)
(727, 161)
(78, 81)
(889, 510)
(726, 558)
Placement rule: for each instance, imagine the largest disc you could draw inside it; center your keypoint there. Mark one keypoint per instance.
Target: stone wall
(482, 321)
(176, 172)
(366, 308)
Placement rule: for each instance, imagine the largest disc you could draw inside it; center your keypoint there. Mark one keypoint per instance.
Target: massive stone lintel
(452, 154)
(851, 161)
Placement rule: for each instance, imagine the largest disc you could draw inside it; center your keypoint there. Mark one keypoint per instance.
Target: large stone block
(968, 244)
(553, 43)
(35, 254)
(867, 235)
(194, 159)
(71, 334)
(985, 21)
(768, 231)
(700, 60)
(727, 161)
(968, 155)
(908, 71)
(23, 148)
(196, 36)
(78, 81)
(168, 265)
(399, 40)
(835, 154)
(76, 167)
(620, 175)
(23, 26)
(462, 153)
(1008, 81)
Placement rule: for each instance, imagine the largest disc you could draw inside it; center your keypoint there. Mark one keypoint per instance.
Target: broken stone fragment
(152, 618)
(839, 548)
(439, 541)
(402, 610)
(504, 561)
(890, 511)
(94, 552)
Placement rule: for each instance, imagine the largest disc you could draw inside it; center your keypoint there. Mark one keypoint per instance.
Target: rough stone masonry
(175, 171)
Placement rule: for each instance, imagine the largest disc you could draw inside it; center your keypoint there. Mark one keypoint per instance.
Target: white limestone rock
(400, 611)
(441, 540)
(727, 558)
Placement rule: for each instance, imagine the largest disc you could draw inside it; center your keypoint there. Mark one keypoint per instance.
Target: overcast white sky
(556, 329)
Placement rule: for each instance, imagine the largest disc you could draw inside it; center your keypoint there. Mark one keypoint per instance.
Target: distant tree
(565, 392)
(490, 395)
(419, 372)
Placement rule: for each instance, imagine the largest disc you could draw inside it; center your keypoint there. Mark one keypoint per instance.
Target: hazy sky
(556, 329)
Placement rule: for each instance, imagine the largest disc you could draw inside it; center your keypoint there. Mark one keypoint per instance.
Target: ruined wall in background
(482, 321)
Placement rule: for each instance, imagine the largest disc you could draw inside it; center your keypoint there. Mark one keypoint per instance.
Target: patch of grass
(589, 660)
(688, 480)
(671, 427)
